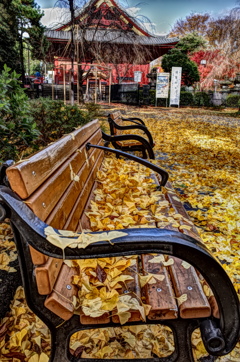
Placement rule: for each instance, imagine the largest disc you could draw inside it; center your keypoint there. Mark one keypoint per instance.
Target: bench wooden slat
(59, 216)
(47, 274)
(25, 177)
(60, 301)
(185, 281)
(84, 222)
(179, 208)
(78, 208)
(211, 298)
(166, 212)
(104, 319)
(43, 200)
(132, 288)
(44, 275)
(159, 295)
(37, 257)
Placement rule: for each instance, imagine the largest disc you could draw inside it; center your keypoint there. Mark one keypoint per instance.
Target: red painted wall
(121, 73)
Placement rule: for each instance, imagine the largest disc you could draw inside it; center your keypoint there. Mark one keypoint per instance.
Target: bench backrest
(51, 181)
(55, 183)
(116, 117)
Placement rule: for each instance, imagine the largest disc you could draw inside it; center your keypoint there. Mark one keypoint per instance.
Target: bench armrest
(29, 230)
(129, 137)
(135, 120)
(141, 127)
(160, 171)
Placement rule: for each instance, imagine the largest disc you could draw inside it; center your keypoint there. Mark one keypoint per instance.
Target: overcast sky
(164, 13)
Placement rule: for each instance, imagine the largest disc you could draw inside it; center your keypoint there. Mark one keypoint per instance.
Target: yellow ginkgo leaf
(186, 227)
(157, 259)
(182, 299)
(124, 316)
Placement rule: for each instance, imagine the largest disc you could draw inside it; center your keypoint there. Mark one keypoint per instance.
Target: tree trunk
(21, 57)
(72, 51)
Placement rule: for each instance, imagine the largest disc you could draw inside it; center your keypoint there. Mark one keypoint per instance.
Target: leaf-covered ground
(201, 154)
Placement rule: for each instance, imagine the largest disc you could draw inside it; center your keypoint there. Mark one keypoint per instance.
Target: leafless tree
(93, 40)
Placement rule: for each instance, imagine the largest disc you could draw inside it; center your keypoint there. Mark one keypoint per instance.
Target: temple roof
(105, 23)
(114, 36)
(89, 14)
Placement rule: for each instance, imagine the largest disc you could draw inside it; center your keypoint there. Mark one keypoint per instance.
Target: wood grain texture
(78, 208)
(47, 196)
(47, 274)
(132, 288)
(159, 295)
(37, 257)
(179, 209)
(61, 212)
(26, 176)
(60, 301)
(186, 281)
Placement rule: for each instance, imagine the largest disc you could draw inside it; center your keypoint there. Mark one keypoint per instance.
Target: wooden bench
(54, 188)
(120, 128)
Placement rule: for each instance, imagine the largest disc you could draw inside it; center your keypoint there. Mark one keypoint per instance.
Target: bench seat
(61, 195)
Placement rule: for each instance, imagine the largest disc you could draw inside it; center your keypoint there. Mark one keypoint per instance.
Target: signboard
(137, 76)
(175, 85)
(162, 85)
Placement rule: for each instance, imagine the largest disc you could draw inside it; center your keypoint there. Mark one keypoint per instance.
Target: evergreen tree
(21, 20)
(191, 42)
(8, 36)
(177, 58)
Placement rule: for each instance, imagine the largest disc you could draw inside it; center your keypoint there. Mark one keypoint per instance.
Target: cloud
(55, 17)
(133, 11)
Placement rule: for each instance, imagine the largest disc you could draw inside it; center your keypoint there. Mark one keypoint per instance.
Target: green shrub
(186, 98)
(17, 127)
(201, 99)
(54, 118)
(160, 102)
(232, 100)
(94, 110)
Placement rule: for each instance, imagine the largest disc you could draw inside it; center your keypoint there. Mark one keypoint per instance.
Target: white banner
(137, 76)
(175, 85)
(162, 85)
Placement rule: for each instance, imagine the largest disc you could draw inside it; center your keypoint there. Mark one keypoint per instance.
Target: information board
(162, 85)
(175, 86)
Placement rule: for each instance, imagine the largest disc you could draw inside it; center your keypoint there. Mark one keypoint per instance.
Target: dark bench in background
(120, 127)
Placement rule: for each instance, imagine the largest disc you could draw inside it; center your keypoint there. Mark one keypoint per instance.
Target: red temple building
(108, 45)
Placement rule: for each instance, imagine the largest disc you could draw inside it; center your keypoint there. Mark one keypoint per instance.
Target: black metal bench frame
(137, 123)
(219, 335)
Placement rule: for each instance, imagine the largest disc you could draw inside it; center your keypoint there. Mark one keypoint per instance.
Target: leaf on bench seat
(65, 238)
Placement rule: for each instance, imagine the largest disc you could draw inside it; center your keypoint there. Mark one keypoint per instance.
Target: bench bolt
(189, 288)
(68, 287)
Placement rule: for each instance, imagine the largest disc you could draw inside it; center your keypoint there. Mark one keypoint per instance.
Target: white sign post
(162, 86)
(175, 86)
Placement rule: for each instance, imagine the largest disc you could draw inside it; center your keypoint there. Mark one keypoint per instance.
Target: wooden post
(109, 87)
(77, 67)
(87, 88)
(53, 83)
(96, 86)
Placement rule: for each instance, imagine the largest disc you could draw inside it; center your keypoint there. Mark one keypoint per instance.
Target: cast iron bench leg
(60, 345)
(182, 331)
